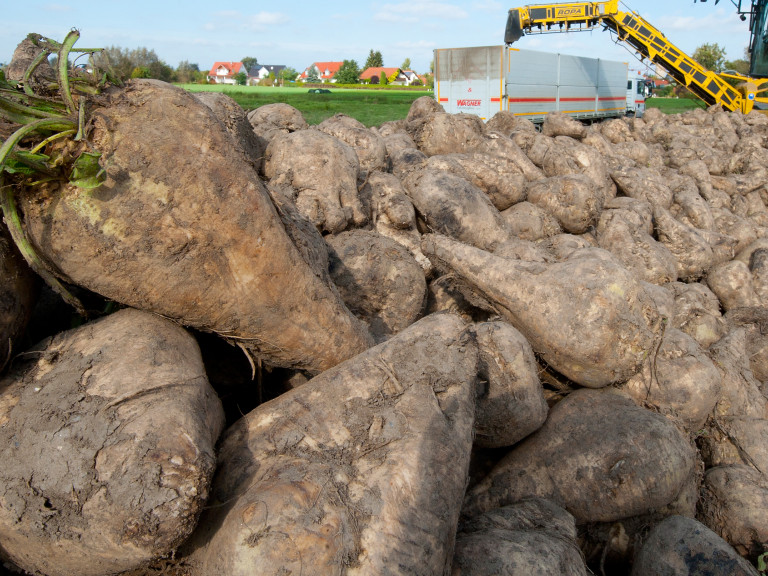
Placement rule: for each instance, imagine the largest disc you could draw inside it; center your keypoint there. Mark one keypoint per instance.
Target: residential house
(325, 71)
(412, 77)
(262, 71)
(402, 77)
(373, 75)
(225, 72)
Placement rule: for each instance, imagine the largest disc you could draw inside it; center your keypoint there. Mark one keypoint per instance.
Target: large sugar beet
(533, 536)
(497, 176)
(733, 504)
(451, 205)
(573, 200)
(202, 244)
(511, 404)
(598, 455)
(690, 247)
(318, 172)
(621, 232)
(697, 313)
(587, 316)
(107, 441)
(393, 214)
(360, 471)
(740, 393)
(531, 222)
(449, 133)
(679, 379)
(272, 119)
(234, 118)
(369, 146)
(683, 546)
(378, 279)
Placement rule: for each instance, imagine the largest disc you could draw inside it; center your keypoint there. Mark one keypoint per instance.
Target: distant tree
(383, 80)
(375, 59)
(140, 72)
(187, 73)
(740, 65)
(241, 78)
(312, 75)
(288, 74)
(249, 62)
(431, 66)
(349, 73)
(123, 62)
(711, 56)
(406, 65)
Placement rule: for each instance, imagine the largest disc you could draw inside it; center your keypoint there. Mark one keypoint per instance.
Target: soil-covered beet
(684, 546)
(733, 503)
(594, 443)
(107, 437)
(532, 536)
(453, 206)
(588, 317)
(360, 470)
(369, 146)
(209, 248)
(272, 119)
(378, 279)
(510, 403)
(319, 174)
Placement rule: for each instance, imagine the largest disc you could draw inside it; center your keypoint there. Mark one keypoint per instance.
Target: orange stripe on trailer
(524, 100)
(495, 99)
(443, 100)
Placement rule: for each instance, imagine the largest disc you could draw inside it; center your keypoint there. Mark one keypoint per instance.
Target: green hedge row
(330, 86)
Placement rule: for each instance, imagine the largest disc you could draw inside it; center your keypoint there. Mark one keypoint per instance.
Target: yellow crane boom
(649, 42)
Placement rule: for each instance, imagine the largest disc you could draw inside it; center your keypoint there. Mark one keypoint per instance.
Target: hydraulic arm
(631, 28)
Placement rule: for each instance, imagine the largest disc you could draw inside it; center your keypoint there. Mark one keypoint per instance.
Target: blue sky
(297, 33)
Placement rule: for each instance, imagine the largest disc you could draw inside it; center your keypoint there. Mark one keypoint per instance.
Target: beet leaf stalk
(42, 120)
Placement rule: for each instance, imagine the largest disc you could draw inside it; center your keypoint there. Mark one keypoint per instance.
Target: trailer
(484, 80)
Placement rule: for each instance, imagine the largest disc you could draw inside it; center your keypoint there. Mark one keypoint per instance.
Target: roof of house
(368, 73)
(276, 68)
(231, 67)
(332, 68)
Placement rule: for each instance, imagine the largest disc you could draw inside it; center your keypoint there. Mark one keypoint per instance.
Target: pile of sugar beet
(433, 347)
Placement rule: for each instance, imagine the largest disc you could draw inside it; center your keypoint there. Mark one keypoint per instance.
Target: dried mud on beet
(436, 347)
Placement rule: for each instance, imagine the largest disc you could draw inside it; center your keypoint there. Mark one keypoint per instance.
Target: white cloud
(259, 21)
(419, 11)
(265, 19)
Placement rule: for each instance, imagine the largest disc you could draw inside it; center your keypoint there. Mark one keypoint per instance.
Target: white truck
(484, 80)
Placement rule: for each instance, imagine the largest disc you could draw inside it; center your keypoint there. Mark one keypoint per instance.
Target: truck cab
(638, 89)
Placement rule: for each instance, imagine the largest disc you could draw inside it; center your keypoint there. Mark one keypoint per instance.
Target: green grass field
(371, 107)
(674, 105)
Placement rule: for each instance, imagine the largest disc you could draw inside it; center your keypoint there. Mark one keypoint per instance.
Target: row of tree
(144, 63)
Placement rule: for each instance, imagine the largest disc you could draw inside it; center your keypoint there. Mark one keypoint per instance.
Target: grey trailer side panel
(528, 83)
(470, 80)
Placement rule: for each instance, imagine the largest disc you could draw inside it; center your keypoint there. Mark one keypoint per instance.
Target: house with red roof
(373, 75)
(402, 77)
(325, 71)
(225, 72)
